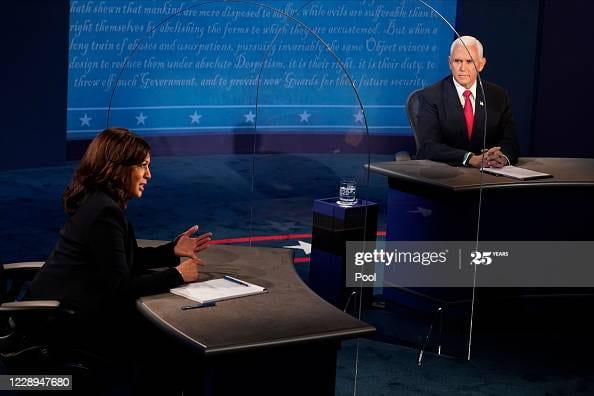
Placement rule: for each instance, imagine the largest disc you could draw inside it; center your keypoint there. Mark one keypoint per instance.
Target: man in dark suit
(451, 116)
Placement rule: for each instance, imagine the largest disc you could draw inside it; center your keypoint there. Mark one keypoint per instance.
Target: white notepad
(516, 173)
(217, 290)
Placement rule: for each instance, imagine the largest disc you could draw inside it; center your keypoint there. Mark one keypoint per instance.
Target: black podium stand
(333, 226)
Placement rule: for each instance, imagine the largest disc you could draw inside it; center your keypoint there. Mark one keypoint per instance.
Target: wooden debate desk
(432, 201)
(436, 201)
(280, 342)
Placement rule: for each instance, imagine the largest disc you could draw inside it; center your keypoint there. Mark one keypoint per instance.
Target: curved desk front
(286, 337)
(435, 201)
(432, 201)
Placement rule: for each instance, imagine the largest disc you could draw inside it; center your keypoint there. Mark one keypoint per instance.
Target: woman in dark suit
(96, 263)
(96, 267)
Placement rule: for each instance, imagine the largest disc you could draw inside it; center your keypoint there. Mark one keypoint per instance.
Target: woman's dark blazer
(97, 263)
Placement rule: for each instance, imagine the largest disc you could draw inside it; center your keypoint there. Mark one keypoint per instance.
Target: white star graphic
(85, 120)
(306, 247)
(250, 117)
(304, 117)
(140, 119)
(195, 117)
(424, 212)
(358, 117)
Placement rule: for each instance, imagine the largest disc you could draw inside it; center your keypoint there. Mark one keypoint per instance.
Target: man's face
(462, 67)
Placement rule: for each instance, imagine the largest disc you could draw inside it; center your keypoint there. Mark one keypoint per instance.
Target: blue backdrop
(197, 71)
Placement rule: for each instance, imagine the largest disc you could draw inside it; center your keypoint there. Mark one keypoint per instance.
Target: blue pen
(201, 305)
(232, 279)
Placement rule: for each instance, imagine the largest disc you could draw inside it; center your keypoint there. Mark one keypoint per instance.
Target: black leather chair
(30, 330)
(36, 337)
(412, 111)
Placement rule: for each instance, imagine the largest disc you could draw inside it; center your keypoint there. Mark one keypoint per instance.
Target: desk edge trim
(149, 313)
(343, 334)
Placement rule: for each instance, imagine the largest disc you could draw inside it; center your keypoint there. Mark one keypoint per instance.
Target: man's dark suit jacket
(96, 264)
(441, 127)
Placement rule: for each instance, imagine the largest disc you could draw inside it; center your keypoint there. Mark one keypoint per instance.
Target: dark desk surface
(288, 314)
(565, 171)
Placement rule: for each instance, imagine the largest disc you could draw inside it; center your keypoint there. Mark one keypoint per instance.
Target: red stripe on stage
(261, 238)
(274, 238)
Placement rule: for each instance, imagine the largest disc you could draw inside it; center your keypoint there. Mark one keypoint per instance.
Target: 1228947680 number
(35, 382)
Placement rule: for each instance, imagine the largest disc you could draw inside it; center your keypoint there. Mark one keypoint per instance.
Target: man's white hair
(469, 41)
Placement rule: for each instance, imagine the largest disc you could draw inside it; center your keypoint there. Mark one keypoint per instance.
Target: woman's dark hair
(106, 166)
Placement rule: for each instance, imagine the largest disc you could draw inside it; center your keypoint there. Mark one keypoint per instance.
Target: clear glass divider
(296, 105)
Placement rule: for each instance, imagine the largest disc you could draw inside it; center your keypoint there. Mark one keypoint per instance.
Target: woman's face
(139, 177)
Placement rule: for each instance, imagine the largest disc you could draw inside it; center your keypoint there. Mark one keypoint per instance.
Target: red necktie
(468, 115)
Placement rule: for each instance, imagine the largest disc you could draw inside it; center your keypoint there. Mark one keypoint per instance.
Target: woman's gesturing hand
(187, 246)
(189, 269)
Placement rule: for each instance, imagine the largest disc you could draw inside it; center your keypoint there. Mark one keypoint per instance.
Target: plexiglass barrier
(301, 99)
(295, 95)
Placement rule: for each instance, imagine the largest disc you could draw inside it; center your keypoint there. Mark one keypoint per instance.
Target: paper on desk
(216, 290)
(516, 172)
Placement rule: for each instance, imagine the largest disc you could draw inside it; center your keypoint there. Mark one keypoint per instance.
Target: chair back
(15, 279)
(412, 112)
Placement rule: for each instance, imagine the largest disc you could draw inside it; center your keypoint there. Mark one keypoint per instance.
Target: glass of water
(347, 193)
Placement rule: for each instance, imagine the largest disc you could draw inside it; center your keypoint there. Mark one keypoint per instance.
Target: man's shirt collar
(460, 89)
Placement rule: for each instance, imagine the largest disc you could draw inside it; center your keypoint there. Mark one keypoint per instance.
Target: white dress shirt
(460, 90)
